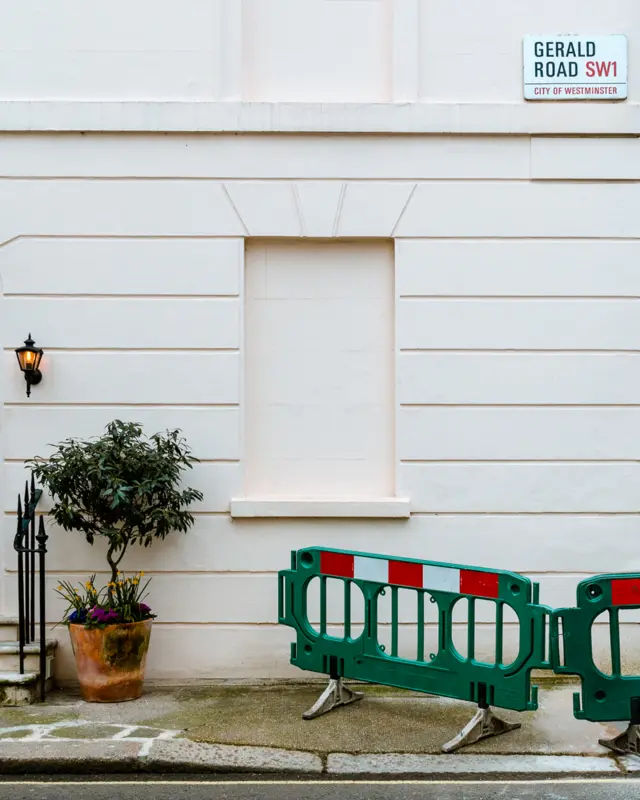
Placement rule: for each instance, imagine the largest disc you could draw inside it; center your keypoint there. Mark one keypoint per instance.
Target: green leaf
(122, 486)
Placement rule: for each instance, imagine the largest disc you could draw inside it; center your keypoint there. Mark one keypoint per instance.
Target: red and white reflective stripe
(410, 574)
(625, 592)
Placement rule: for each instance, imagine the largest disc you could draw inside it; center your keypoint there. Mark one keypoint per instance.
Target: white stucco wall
(468, 51)
(360, 51)
(515, 334)
(515, 370)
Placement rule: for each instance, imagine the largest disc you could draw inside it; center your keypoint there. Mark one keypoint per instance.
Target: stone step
(17, 689)
(9, 629)
(10, 656)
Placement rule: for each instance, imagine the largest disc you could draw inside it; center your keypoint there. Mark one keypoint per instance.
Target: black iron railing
(31, 545)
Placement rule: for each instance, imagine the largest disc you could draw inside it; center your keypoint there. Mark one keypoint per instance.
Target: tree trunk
(114, 562)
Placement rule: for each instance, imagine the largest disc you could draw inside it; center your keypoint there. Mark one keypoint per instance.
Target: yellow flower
(142, 574)
(60, 588)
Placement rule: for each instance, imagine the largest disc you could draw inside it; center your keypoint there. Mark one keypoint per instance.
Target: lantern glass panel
(29, 358)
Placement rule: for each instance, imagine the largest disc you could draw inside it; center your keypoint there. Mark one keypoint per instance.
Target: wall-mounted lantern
(29, 358)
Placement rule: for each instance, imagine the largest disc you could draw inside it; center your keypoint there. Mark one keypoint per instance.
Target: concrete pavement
(229, 729)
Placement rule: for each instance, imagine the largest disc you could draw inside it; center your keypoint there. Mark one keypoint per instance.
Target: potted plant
(123, 488)
(110, 630)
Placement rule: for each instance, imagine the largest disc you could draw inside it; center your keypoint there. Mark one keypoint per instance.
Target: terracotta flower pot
(111, 661)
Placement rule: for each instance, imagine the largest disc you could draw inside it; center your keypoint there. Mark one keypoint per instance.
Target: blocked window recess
(319, 380)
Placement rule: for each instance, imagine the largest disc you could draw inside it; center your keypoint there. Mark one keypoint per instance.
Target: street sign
(571, 67)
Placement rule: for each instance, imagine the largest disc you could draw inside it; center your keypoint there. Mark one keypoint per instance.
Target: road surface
(207, 789)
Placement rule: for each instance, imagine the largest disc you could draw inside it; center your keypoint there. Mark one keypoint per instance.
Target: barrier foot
(484, 725)
(336, 694)
(626, 743)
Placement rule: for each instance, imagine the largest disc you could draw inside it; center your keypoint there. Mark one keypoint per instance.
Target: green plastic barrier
(605, 697)
(444, 672)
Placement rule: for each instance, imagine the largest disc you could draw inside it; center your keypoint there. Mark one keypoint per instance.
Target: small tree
(122, 486)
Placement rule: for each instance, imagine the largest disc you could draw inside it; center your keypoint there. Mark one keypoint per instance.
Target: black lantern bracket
(29, 358)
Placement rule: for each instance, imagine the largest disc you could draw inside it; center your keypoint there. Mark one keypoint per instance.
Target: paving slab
(19, 734)
(403, 764)
(66, 704)
(630, 764)
(551, 730)
(67, 757)
(86, 731)
(190, 756)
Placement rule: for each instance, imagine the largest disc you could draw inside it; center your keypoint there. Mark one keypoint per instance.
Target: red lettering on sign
(603, 69)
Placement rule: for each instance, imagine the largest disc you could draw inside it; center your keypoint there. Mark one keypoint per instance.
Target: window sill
(383, 508)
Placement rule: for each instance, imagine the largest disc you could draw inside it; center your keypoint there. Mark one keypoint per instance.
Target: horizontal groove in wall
(224, 298)
(515, 461)
(383, 625)
(154, 350)
(228, 625)
(246, 522)
(511, 350)
(424, 240)
(251, 625)
(273, 573)
(586, 298)
(432, 625)
(116, 296)
(490, 513)
(185, 406)
(235, 236)
(518, 405)
(337, 624)
(560, 181)
(200, 460)
(231, 179)
(161, 572)
(101, 236)
(494, 238)
(288, 179)
(194, 513)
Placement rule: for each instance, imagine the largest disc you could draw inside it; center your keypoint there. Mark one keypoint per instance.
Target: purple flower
(144, 608)
(103, 616)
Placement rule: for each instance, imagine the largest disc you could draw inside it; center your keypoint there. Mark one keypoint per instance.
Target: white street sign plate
(571, 67)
